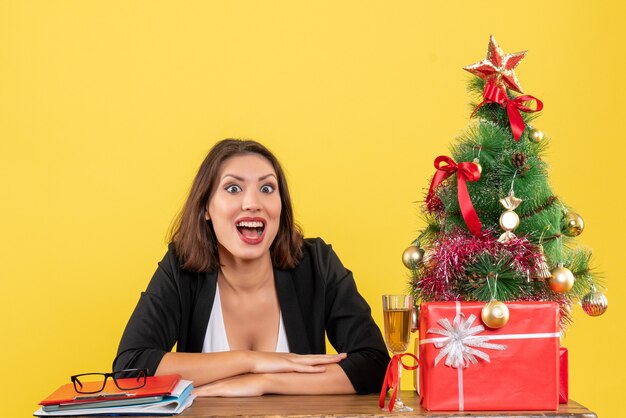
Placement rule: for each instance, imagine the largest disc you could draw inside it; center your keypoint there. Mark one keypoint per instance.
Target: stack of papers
(162, 395)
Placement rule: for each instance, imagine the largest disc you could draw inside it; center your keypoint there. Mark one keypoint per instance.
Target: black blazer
(317, 297)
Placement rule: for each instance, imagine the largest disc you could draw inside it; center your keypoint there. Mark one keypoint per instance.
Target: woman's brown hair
(193, 236)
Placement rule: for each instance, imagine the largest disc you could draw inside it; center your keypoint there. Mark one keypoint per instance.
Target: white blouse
(215, 339)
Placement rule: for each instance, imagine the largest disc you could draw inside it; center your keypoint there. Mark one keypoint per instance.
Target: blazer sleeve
(350, 327)
(152, 329)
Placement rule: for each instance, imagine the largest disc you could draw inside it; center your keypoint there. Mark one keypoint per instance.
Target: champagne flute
(397, 321)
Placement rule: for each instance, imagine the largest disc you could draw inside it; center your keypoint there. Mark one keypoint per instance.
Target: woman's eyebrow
(242, 179)
(233, 176)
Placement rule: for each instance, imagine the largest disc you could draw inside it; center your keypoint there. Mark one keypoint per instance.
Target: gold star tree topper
(498, 67)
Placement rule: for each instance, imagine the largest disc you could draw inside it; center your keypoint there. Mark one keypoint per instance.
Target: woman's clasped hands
(264, 367)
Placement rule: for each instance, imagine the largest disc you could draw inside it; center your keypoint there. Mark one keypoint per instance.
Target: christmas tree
(495, 231)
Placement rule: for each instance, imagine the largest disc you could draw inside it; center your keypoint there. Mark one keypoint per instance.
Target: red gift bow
(466, 171)
(496, 94)
(391, 379)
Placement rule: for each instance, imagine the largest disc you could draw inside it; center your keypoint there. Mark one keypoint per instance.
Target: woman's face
(245, 207)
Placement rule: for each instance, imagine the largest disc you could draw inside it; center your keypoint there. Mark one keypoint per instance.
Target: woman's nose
(251, 200)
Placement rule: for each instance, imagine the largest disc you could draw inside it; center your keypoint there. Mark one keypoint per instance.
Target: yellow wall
(108, 107)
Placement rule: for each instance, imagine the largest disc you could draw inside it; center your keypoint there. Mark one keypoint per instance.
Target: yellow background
(107, 109)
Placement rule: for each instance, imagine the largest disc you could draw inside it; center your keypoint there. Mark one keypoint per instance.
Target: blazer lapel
(292, 316)
(202, 305)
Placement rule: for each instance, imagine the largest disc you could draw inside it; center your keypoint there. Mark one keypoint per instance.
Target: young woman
(246, 299)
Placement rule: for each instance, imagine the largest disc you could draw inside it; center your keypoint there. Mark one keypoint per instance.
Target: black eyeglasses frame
(142, 374)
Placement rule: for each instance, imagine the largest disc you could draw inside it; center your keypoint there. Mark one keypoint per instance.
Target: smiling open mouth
(250, 229)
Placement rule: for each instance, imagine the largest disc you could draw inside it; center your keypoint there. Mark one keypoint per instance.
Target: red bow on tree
(496, 94)
(392, 378)
(466, 171)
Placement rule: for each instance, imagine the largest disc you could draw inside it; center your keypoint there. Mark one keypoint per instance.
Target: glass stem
(398, 400)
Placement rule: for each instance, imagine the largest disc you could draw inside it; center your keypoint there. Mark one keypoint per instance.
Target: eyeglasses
(124, 380)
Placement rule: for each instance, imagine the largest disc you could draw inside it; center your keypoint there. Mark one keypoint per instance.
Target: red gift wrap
(466, 366)
(563, 377)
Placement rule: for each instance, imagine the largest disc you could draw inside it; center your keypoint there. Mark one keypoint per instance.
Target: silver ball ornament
(594, 303)
(412, 256)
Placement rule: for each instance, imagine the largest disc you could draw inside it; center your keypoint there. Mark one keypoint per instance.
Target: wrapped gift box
(515, 367)
(563, 377)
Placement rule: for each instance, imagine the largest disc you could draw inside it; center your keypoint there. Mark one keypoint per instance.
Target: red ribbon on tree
(392, 377)
(496, 94)
(466, 171)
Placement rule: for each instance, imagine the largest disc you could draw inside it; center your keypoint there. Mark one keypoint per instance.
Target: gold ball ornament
(594, 303)
(480, 167)
(412, 256)
(509, 220)
(573, 224)
(495, 314)
(562, 280)
(535, 135)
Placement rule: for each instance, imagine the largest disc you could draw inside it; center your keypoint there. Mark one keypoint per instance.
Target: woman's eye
(233, 188)
(267, 188)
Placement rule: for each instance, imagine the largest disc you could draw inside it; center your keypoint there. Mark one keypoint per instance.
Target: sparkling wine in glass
(397, 310)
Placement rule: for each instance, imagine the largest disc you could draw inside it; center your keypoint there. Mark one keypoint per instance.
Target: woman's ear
(206, 214)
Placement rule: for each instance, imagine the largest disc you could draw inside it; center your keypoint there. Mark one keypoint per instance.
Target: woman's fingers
(317, 359)
(304, 368)
(287, 362)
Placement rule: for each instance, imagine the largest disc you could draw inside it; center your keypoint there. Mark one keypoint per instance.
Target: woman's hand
(236, 386)
(264, 362)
